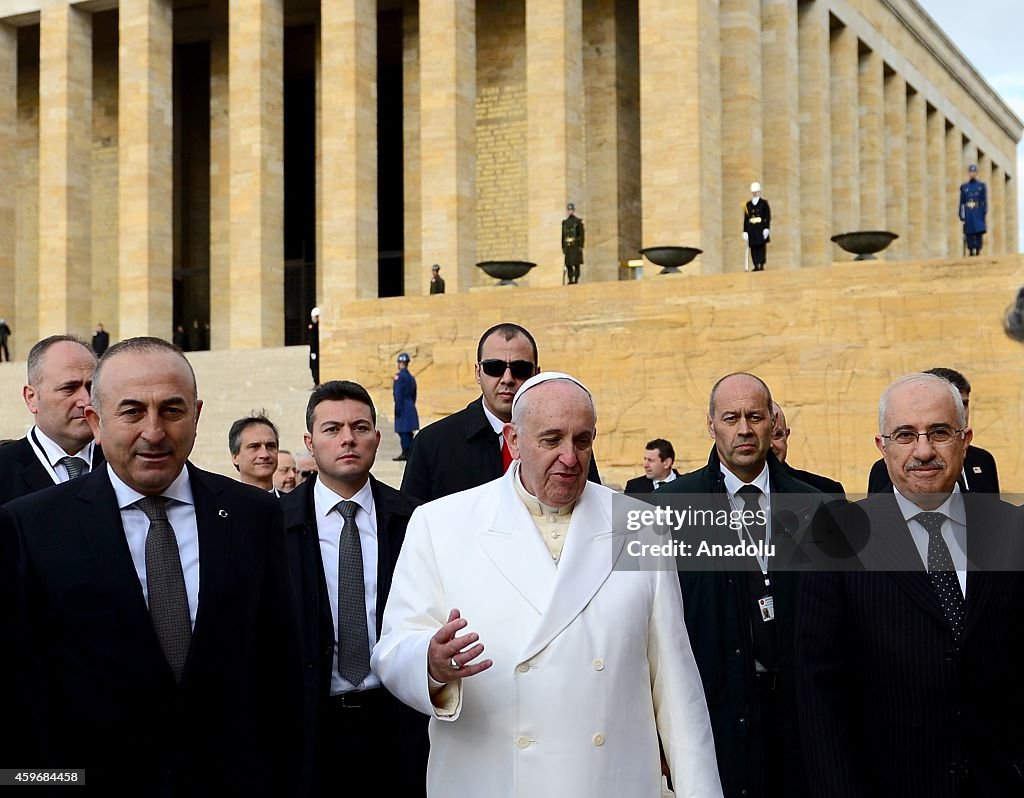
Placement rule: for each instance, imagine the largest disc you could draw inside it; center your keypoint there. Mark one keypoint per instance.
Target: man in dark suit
(740, 618)
(780, 446)
(100, 340)
(909, 665)
(658, 459)
(346, 709)
(151, 607)
(978, 475)
(467, 449)
(59, 446)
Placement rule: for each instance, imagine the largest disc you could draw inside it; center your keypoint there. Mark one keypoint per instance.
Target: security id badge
(766, 604)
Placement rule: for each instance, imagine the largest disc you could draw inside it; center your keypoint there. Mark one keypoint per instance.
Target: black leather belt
(358, 699)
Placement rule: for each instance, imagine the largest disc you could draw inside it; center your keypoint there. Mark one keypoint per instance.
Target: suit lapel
(590, 551)
(216, 538)
(387, 550)
(100, 521)
(33, 474)
(512, 544)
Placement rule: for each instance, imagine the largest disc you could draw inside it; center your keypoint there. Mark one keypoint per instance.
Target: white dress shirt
(50, 454)
(657, 483)
(328, 524)
(496, 423)
(181, 513)
(954, 530)
(732, 486)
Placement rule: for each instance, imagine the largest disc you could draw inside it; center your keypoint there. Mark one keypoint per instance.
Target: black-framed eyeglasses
(940, 436)
(521, 369)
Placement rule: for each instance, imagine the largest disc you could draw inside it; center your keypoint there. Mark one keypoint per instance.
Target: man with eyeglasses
(305, 467)
(908, 664)
(467, 448)
(978, 475)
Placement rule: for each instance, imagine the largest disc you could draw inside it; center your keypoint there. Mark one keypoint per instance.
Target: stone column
(612, 140)
(845, 134)
(220, 178)
(448, 138)
(416, 281)
(1011, 218)
(984, 163)
(740, 25)
(555, 144)
(26, 212)
(680, 127)
(919, 199)
(957, 159)
(780, 80)
(939, 200)
(65, 149)
(815, 164)
(996, 212)
(8, 170)
(145, 179)
(871, 135)
(895, 168)
(256, 141)
(347, 167)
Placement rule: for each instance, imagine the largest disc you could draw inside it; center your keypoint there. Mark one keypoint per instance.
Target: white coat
(591, 664)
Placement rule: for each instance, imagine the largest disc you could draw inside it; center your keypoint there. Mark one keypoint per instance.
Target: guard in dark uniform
(973, 206)
(572, 244)
(757, 219)
(313, 334)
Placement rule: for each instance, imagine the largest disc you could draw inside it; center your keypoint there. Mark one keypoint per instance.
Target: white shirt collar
(327, 499)
(733, 483)
(670, 478)
(180, 490)
(54, 452)
(952, 508)
(496, 423)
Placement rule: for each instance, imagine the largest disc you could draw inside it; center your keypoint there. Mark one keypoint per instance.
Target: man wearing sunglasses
(908, 668)
(467, 449)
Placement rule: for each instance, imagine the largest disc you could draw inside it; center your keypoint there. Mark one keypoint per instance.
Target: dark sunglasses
(521, 369)
(307, 474)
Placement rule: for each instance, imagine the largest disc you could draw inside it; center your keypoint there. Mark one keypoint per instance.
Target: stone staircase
(231, 384)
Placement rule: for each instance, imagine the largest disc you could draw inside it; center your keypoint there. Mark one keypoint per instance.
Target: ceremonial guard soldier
(757, 219)
(572, 244)
(973, 206)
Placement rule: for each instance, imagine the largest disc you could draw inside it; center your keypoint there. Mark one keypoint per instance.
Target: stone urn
(670, 258)
(865, 243)
(505, 271)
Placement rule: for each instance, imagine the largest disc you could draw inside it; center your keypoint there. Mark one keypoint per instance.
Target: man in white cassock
(588, 665)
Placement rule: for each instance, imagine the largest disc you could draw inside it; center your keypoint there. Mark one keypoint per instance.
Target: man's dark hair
(140, 344)
(507, 331)
(665, 450)
(235, 433)
(39, 348)
(955, 377)
(1013, 322)
(335, 391)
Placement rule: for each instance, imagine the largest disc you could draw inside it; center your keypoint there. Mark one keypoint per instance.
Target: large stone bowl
(865, 243)
(506, 271)
(670, 258)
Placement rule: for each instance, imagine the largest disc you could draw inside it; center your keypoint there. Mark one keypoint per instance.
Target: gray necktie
(74, 465)
(353, 639)
(943, 576)
(168, 600)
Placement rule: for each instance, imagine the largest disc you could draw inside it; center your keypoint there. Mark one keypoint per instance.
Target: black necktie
(353, 639)
(943, 576)
(165, 583)
(74, 465)
(765, 637)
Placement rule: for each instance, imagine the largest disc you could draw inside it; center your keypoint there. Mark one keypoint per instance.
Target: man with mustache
(148, 618)
(59, 446)
(908, 664)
